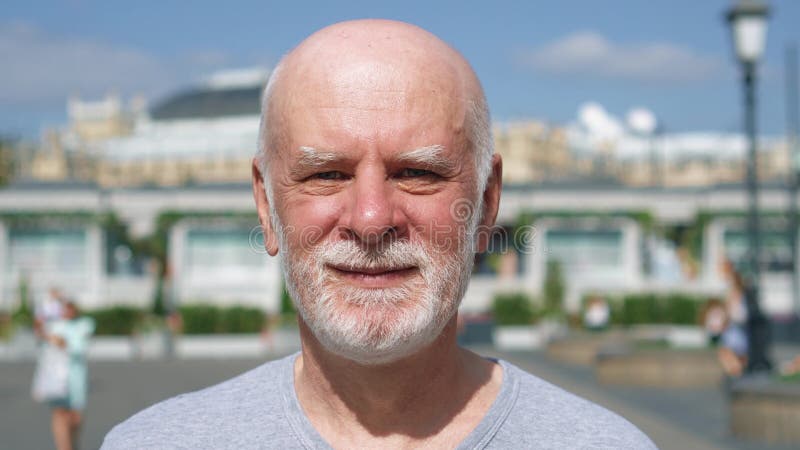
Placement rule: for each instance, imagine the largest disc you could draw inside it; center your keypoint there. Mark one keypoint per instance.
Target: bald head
(373, 65)
(369, 50)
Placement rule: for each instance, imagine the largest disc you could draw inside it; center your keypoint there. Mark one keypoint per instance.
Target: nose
(373, 216)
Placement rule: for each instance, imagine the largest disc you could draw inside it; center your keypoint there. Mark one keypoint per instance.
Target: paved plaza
(674, 419)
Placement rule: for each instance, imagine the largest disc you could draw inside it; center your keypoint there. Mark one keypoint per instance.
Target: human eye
(330, 175)
(415, 173)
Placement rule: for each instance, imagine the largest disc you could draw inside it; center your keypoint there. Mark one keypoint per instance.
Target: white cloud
(590, 54)
(598, 122)
(596, 130)
(41, 68)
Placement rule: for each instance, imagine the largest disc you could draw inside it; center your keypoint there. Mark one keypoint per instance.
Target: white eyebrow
(315, 158)
(432, 155)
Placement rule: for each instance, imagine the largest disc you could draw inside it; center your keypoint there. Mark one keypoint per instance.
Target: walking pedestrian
(70, 334)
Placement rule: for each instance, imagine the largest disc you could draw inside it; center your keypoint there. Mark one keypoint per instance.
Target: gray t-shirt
(259, 409)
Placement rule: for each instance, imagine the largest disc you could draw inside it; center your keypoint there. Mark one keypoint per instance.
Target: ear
(262, 206)
(491, 203)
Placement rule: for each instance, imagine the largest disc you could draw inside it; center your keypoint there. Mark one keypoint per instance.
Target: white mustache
(350, 255)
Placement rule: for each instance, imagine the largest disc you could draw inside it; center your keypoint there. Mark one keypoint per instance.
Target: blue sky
(537, 59)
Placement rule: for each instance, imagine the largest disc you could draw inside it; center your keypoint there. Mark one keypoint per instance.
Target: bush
(240, 319)
(683, 309)
(197, 319)
(116, 320)
(553, 288)
(23, 315)
(640, 308)
(210, 319)
(5, 326)
(200, 319)
(513, 309)
(650, 308)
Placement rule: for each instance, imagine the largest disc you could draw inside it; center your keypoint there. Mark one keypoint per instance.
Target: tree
(7, 160)
(553, 288)
(23, 315)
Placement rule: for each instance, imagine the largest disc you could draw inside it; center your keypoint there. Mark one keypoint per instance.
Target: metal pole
(662, 165)
(753, 232)
(653, 160)
(794, 167)
(757, 324)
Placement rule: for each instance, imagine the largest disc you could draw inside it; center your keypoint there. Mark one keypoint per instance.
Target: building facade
(56, 236)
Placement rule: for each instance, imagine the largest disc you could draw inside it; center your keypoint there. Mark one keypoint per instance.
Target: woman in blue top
(71, 334)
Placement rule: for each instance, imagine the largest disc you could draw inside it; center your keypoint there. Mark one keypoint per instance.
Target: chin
(379, 353)
(377, 326)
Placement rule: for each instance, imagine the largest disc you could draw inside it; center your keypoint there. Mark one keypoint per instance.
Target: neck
(416, 396)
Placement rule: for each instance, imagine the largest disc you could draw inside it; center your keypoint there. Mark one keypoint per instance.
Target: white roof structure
(191, 138)
(218, 118)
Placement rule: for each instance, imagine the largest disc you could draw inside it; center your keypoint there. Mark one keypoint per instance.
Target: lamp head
(748, 22)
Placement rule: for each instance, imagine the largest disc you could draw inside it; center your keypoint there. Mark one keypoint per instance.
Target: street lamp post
(792, 128)
(748, 22)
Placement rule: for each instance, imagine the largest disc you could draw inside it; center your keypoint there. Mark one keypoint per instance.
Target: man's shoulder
(543, 412)
(214, 414)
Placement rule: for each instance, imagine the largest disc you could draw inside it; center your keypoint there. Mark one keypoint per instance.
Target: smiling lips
(374, 277)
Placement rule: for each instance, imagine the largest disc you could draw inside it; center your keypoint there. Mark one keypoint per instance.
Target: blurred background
(631, 167)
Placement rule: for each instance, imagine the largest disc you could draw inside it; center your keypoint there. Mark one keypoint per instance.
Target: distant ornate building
(206, 134)
(724, 161)
(682, 159)
(532, 151)
(93, 121)
(66, 154)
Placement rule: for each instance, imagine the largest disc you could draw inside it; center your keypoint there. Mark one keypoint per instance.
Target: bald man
(373, 180)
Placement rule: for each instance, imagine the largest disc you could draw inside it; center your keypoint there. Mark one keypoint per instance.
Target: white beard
(373, 326)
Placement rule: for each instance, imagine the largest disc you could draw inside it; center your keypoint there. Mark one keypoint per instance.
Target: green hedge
(684, 309)
(554, 288)
(515, 308)
(197, 319)
(652, 308)
(6, 326)
(200, 319)
(116, 320)
(209, 319)
(23, 315)
(239, 319)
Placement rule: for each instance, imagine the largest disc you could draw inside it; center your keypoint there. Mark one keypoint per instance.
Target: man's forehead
(369, 101)
(352, 58)
(372, 82)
